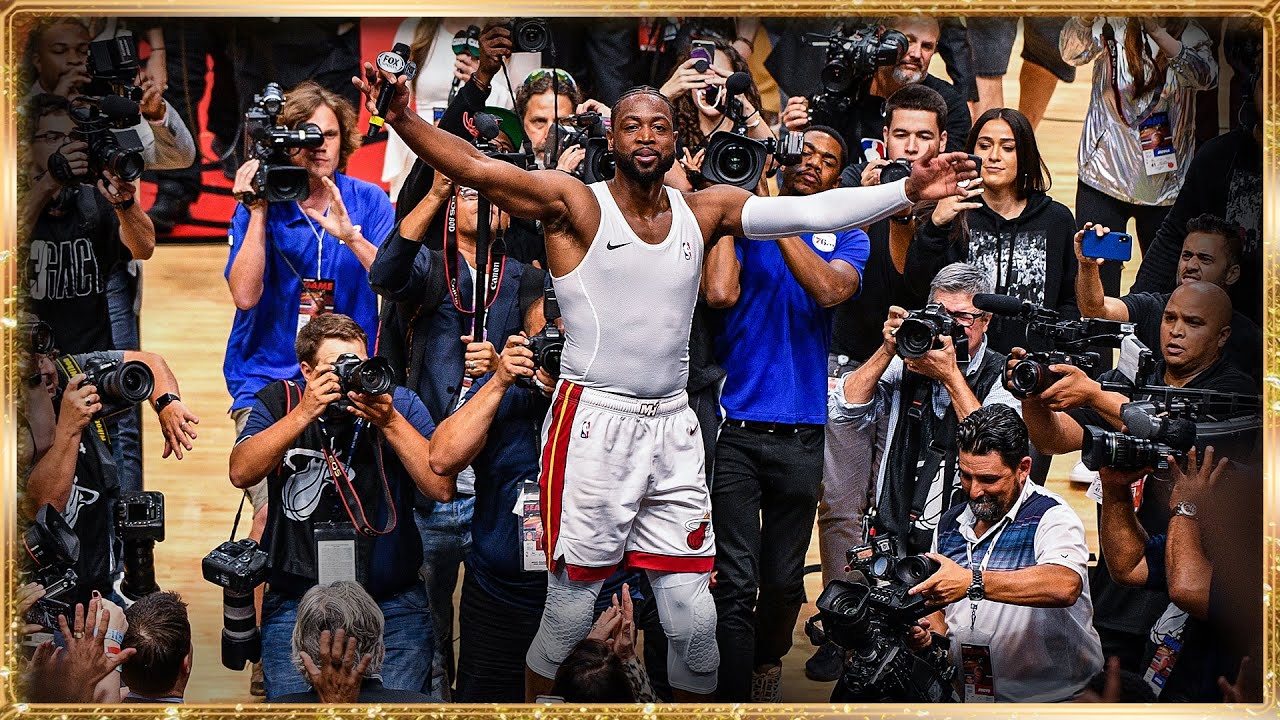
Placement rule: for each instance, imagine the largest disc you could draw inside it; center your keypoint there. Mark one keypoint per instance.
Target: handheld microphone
(1000, 304)
(486, 126)
(395, 61)
(465, 42)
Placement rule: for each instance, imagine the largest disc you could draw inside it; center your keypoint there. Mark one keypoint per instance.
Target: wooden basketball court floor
(186, 317)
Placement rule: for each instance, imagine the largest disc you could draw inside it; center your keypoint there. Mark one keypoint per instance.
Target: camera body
(732, 158)
(121, 384)
(271, 144)
(1031, 375)
(237, 567)
(882, 559)
(547, 347)
(140, 525)
(529, 34)
(50, 550)
(853, 55)
(896, 170)
(588, 130)
(368, 377)
(923, 330)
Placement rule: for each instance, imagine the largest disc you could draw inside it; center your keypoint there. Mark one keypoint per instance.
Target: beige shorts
(257, 493)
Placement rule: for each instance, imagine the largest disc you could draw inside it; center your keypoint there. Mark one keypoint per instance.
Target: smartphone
(703, 50)
(1112, 246)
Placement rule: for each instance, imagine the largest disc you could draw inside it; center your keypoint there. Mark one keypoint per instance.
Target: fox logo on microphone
(699, 529)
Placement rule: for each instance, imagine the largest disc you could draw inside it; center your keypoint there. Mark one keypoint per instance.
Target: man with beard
(1012, 579)
(913, 69)
(622, 466)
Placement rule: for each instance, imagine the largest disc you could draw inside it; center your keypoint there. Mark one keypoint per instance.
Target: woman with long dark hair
(1013, 229)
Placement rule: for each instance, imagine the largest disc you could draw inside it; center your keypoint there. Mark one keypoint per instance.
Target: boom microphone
(1000, 304)
(395, 61)
(737, 83)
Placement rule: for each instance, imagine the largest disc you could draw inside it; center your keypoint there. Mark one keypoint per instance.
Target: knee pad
(688, 615)
(566, 619)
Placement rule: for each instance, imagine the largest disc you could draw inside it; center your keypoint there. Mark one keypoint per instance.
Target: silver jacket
(1110, 155)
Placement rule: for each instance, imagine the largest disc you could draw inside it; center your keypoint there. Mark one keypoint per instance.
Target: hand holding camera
(871, 173)
(939, 363)
(76, 155)
(1078, 243)
(495, 47)
(80, 402)
(116, 190)
(687, 78)
(374, 408)
(950, 583)
(516, 361)
(890, 332)
(795, 116)
(1196, 483)
(243, 187)
(321, 392)
(481, 358)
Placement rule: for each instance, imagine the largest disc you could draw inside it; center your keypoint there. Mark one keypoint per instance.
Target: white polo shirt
(1037, 654)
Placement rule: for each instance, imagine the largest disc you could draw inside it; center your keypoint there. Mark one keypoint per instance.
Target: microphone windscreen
(487, 125)
(737, 83)
(998, 304)
(117, 107)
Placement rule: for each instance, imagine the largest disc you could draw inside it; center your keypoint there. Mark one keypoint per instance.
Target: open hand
(177, 424)
(338, 675)
(939, 178)
(336, 222)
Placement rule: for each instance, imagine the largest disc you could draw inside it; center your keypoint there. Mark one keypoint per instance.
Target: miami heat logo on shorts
(698, 529)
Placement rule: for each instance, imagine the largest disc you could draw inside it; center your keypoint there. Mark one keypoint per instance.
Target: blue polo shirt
(260, 348)
(773, 346)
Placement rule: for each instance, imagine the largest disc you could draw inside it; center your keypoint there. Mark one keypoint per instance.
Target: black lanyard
(1109, 37)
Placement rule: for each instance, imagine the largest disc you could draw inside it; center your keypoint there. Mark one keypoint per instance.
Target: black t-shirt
(71, 257)
(858, 321)
(1131, 609)
(1244, 347)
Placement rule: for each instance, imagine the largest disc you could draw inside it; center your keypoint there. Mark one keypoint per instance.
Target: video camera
(854, 53)
(121, 384)
(51, 552)
(238, 568)
(731, 157)
(873, 622)
(140, 525)
(1170, 423)
(923, 330)
(105, 115)
(271, 144)
(589, 131)
(1069, 340)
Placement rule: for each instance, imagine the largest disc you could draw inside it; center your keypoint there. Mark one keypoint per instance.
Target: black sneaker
(827, 663)
(168, 212)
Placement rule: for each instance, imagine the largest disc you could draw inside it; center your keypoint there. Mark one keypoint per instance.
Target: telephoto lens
(1104, 448)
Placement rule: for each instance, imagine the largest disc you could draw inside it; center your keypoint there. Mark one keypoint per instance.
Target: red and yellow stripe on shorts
(551, 482)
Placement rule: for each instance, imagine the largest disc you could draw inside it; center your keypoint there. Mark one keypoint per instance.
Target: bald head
(1195, 327)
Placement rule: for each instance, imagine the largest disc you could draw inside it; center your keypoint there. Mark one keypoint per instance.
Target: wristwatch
(977, 591)
(163, 401)
(1185, 509)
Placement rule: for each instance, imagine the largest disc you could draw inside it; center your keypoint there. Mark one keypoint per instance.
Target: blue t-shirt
(301, 493)
(260, 349)
(773, 346)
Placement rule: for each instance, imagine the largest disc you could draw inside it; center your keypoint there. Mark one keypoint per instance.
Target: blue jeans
(406, 632)
(126, 430)
(446, 538)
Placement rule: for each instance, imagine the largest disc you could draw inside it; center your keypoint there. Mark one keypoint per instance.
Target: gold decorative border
(15, 14)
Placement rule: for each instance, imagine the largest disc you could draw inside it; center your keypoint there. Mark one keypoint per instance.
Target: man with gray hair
(338, 648)
(926, 395)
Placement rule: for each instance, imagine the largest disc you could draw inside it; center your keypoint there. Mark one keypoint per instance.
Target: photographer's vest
(921, 446)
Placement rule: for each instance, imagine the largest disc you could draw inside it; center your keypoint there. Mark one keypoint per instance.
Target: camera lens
(131, 382)
(893, 45)
(551, 360)
(1029, 377)
(530, 35)
(374, 376)
(836, 77)
(283, 183)
(915, 569)
(125, 164)
(895, 171)
(735, 163)
(915, 337)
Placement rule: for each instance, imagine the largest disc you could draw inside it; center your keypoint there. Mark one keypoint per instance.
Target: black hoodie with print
(1031, 257)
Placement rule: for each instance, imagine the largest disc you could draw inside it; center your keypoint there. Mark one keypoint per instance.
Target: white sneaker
(766, 686)
(1082, 474)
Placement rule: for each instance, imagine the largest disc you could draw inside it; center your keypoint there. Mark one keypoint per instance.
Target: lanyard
(1109, 37)
(973, 604)
(319, 233)
(496, 264)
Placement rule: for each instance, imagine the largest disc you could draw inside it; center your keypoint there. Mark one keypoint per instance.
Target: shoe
(766, 686)
(230, 163)
(827, 663)
(168, 212)
(1082, 474)
(256, 687)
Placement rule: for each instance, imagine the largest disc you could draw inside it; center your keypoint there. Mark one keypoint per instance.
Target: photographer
(924, 397)
(773, 348)
(1193, 332)
(1012, 229)
(1210, 624)
(1012, 580)
(76, 234)
(76, 474)
(311, 254)
(912, 69)
(1211, 253)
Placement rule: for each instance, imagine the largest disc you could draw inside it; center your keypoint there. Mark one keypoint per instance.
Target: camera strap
(495, 263)
(1113, 53)
(347, 491)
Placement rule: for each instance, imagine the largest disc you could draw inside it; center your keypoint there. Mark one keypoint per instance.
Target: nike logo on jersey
(611, 246)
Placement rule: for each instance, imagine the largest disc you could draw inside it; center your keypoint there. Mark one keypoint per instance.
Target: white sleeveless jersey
(628, 305)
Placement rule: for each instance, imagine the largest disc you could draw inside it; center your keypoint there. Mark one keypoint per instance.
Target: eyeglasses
(562, 77)
(966, 319)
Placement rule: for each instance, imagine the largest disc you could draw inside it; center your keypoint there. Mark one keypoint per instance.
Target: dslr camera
(272, 144)
(1032, 376)
(121, 384)
(588, 131)
(140, 525)
(529, 34)
(548, 345)
(732, 158)
(238, 568)
(105, 115)
(369, 377)
(923, 330)
(51, 551)
(854, 53)
(873, 623)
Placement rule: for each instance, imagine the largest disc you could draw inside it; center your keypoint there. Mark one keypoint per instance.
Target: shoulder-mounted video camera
(1170, 421)
(272, 144)
(731, 157)
(854, 53)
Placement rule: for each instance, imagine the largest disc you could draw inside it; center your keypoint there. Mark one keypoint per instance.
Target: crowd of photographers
(384, 442)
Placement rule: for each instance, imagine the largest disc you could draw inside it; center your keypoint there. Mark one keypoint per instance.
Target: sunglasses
(562, 77)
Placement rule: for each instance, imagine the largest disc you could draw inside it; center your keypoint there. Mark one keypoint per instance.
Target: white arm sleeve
(769, 218)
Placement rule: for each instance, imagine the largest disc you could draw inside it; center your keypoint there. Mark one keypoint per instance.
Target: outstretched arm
(543, 195)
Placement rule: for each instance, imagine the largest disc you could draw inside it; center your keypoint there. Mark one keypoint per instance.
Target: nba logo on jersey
(688, 250)
(586, 429)
(698, 531)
